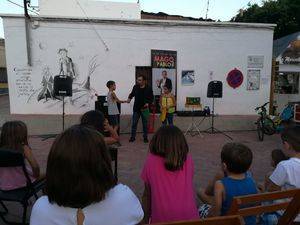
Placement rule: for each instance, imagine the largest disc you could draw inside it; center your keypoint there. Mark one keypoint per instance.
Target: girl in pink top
(14, 137)
(168, 176)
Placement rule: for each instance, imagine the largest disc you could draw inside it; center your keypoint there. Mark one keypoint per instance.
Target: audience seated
(14, 137)
(95, 119)
(168, 176)
(287, 173)
(236, 160)
(80, 186)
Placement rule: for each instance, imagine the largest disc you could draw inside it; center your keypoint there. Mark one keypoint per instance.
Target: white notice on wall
(255, 61)
(23, 82)
(253, 80)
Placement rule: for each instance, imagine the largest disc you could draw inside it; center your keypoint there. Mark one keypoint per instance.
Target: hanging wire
(31, 10)
(98, 35)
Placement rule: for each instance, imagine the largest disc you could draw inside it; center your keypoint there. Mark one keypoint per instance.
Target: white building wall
(90, 9)
(202, 49)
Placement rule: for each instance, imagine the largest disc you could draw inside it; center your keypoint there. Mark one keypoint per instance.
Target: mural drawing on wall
(253, 80)
(66, 64)
(83, 92)
(47, 86)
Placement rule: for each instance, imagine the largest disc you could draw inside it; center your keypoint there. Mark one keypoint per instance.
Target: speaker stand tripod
(212, 129)
(63, 113)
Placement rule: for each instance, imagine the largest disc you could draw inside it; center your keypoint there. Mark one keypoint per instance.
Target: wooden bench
(221, 220)
(251, 205)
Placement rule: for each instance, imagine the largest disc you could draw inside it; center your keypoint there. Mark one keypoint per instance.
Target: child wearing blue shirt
(236, 160)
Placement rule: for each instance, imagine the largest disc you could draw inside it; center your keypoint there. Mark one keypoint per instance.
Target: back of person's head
(277, 156)
(291, 135)
(110, 83)
(170, 143)
(79, 169)
(237, 157)
(93, 119)
(14, 135)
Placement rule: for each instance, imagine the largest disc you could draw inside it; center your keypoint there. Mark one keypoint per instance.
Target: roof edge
(145, 22)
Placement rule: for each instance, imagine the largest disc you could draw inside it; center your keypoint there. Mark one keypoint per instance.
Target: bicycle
(269, 125)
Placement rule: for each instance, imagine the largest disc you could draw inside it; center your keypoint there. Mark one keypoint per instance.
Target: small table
(193, 128)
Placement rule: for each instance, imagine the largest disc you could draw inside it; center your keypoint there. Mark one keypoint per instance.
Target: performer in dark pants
(143, 97)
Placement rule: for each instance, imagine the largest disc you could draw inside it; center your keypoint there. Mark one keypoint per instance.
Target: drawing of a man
(66, 64)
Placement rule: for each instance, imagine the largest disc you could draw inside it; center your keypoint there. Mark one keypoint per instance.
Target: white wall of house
(90, 9)
(210, 50)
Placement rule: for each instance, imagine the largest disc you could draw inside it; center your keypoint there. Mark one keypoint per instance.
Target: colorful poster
(253, 80)
(187, 77)
(164, 59)
(163, 70)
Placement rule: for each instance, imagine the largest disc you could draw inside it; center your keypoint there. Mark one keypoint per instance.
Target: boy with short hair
(112, 100)
(236, 160)
(287, 173)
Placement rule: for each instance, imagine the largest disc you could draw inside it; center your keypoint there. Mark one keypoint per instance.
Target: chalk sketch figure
(66, 64)
(47, 85)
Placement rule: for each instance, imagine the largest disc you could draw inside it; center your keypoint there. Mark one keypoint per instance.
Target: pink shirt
(13, 178)
(172, 192)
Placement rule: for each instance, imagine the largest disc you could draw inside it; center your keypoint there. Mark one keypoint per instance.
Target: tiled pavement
(205, 152)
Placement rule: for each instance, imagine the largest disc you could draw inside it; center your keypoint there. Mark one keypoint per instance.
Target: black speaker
(215, 89)
(101, 105)
(62, 86)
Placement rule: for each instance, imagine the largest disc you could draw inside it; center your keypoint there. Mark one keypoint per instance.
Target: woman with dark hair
(168, 176)
(14, 136)
(80, 185)
(96, 120)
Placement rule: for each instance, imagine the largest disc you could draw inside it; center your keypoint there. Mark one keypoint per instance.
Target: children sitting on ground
(287, 173)
(168, 176)
(80, 185)
(14, 137)
(236, 160)
(96, 120)
(167, 105)
(112, 100)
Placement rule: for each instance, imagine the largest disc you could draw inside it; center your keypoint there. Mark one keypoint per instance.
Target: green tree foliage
(284, 13)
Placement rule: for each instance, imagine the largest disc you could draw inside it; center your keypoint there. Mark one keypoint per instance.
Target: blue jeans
(169, 119)
(135, 120)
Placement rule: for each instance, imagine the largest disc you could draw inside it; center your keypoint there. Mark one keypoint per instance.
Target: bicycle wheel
(260, 130)
(269, 127)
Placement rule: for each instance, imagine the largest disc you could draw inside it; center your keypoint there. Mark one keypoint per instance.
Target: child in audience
(287, 173)
(112, 100)
(167, 104)
(95, 119)
(80, 185)
(14, 137)
(236, 161)
(168, 176)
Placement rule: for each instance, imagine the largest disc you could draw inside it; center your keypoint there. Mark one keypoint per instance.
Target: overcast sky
(222, 10)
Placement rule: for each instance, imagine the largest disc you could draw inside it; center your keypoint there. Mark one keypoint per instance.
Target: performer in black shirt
(143, 97)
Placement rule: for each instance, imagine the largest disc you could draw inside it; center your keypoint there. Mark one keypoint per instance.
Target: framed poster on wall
(188, 77)
(164, 64)
(253, 80)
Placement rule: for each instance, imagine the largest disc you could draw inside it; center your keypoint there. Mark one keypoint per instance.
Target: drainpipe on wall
(27, 32)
